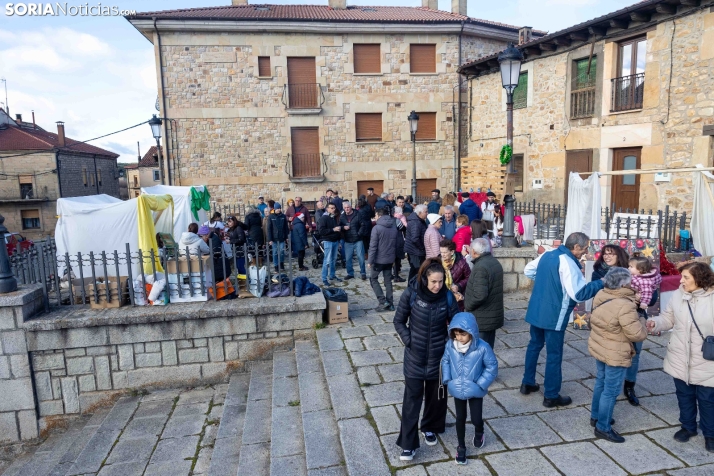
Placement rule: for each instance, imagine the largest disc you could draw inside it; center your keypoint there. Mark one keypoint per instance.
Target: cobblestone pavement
(332, 407)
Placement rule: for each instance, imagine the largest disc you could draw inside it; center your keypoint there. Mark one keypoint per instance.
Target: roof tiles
(22, 138)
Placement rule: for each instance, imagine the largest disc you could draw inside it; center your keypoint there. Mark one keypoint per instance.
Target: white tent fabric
(702, 223)
(182, 208)
(95, 224)
(583, 206)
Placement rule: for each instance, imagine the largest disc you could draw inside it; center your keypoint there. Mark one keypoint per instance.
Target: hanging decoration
(506, 154)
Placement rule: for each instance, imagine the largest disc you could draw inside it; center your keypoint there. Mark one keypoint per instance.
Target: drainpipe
(96, 177)
(59, 176)
(163, 104)
(457, 152)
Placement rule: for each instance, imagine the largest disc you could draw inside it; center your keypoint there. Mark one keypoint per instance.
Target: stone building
(286, 100)
(38, 167)
(633, 89)
(133, 182)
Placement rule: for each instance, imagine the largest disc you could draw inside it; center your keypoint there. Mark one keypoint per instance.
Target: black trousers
(476, 410)
(301, 258)
(414, 264)
(488, 336)
(397, 265)
(692, 398)
(434, 418)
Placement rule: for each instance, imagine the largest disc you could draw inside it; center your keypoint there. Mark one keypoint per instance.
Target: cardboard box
(337, 312)
(77, 289)
(118, 293)
(183, 265)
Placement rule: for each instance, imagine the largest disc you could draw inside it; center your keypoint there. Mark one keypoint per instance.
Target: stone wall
(72, 179)
(668, 128)
(514, 261)
(233, 130)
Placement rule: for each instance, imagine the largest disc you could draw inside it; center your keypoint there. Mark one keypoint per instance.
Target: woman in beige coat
(693, 375)
(615, 326)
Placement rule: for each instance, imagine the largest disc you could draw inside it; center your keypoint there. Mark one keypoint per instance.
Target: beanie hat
(204, 230)
(277, 205)
(490, 194)
(433, 218)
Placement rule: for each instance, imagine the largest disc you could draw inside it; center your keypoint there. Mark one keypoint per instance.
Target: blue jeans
(350, 249)
(278, 249)
(328, 263)
(553, 341)
(631, 375)
(689, 397)
(608, 386)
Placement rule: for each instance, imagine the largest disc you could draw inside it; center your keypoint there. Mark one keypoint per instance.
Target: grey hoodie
(383, 242)
(195, 244)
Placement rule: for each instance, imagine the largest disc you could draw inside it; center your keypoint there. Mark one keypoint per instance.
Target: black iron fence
(617, 223)
(132, 277)
(627, 92)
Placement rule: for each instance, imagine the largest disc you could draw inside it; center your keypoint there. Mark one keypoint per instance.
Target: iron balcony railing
(306, 166)
(303, 96)
(627, 92)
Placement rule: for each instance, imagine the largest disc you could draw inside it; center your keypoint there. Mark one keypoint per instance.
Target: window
(582, 91)
(306, 159)
(84, 176)
(368, 127)
(303, 90)
(424, 188)
(30, 219)
(91, 180)
(99, 177)
(422, 58)
(367, 58)
(515, 172)
(136, 194)
(520, 94)
(426, 128)
(26, 186)
(628, 89)
(157, 177)
(264, 67)
(136, 180)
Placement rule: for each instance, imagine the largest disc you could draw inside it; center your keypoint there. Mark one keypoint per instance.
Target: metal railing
(615, 222)
(303, 96)
(627, 92)
(113, 279)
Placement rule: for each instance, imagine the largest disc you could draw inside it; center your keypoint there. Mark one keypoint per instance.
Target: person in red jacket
(463, 233)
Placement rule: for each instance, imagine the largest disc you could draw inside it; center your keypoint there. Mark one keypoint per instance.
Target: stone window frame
(381, 108)
(433, 39)
(578, 54)
(405, 132)
(384, 48)
(525, 68)
(156, 175)
(39, 218)
(270, 67)
(303, 121)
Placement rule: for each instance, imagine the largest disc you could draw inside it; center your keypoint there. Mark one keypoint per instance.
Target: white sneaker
(430, 438)
(407, 455)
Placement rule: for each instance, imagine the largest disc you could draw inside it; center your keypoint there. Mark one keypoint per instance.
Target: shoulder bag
(708, 345)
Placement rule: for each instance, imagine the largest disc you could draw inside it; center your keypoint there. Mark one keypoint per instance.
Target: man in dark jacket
(382, 252)
(352, 224)
(414, 242)
(484, 292)
(277, 235)
(329, 230)
(381, 202)
(469, 208)
(296, 209)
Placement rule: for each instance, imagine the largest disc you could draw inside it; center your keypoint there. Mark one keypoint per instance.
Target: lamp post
(8, 283)
(155, 123)
(413, 124)
(510, 61)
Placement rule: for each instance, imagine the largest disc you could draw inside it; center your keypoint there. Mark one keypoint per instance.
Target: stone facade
(678, 102)
(233, 130)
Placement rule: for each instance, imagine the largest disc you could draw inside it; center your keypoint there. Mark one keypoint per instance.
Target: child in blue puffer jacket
(468, 368)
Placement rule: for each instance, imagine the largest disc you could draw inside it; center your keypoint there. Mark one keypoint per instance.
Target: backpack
(449, 298)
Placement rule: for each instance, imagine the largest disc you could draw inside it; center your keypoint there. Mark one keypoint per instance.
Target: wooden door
(302, 83)
(424, 188)
(363, 185)
(626, 188)
(306, 151)
(577, 161)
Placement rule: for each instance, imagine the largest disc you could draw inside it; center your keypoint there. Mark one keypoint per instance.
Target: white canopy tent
(182, 207)
(702, 214)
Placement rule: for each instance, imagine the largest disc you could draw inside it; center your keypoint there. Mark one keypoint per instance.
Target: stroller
(320, 253)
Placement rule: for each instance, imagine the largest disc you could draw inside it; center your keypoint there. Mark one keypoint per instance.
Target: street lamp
(510, 60)
(413, 125)
(155, 123)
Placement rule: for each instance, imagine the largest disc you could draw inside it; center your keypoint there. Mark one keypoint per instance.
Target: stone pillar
(458, 7)
(337, 4)
(18, 412)
(513, 261)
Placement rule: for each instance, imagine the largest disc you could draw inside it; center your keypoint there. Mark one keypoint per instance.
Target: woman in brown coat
(615, 326)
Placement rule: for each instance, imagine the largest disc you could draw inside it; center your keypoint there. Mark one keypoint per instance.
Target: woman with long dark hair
(421, 319)
(610, 256)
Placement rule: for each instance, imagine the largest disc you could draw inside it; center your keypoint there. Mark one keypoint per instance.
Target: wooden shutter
(515, 174)
(367, 58)
(368, 127)
(520, 94)
(363, 185)
(306, 151)
(25, 179)
(424, 188)
(30, 214)
(264, 67)
(422, 58)
(426, 129)
(302, 83)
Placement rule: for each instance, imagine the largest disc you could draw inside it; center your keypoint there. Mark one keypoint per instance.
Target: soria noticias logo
(64, 9)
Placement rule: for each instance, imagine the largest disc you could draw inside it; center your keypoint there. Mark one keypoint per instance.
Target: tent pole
(650, 171)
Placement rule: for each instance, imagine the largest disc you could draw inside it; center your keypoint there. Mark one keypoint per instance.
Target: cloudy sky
(97, 73)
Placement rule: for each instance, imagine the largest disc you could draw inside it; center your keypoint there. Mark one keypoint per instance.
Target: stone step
(254, 456)
(323, 454)
(287, 445)
(226, 450)
(360, 443)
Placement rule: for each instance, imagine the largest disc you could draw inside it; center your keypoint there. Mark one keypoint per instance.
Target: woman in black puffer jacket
(424, 312)
(255, 227)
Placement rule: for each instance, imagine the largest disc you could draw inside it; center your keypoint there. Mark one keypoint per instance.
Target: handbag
(441, 392)
(708, 345)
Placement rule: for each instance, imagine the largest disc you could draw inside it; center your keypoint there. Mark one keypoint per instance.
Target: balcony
(306, 167)
(627, 93)
(306, 98)
(582, 97)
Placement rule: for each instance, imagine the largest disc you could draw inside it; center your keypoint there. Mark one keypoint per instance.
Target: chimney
(525, 34)
(18, 117)
(60, 133)
(34, 126)
(338, 4)
(138, 151)
(240, 2)
(458, 7)
(430, 4)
